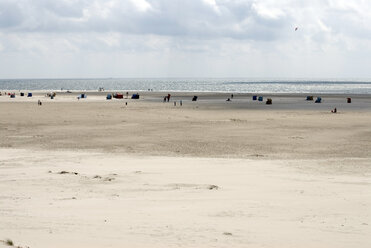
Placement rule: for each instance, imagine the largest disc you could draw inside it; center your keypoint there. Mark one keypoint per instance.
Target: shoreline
(186, 93)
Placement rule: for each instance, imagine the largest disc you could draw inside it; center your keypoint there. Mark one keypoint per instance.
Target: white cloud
(266, 11)
(141, 5)
(213, 5)
(248, 37)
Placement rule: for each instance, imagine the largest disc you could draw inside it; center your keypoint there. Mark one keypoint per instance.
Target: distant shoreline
(186, 93)
(191, 85)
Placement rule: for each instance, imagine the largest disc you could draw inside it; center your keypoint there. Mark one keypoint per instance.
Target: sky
(185, 38)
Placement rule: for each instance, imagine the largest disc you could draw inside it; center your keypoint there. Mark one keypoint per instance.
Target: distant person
(334, 111)
(181, 103)
(232, 96)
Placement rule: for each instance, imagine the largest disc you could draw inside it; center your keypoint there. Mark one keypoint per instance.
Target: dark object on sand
(22, 94)
(228, 100)
(260, 99)
(9, 242)
(194, 98)
(118, 96)
(318, 100)
(309, 98)
(29, 94)
(254, 98)
(334, 111)
(83, 96)
(349, 100)
(68, 172)
(109, 97)
(213, 187)
(269, 101)
(12, 96)
(135, 96)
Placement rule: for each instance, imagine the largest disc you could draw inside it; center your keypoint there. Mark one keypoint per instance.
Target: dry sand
(211, 173)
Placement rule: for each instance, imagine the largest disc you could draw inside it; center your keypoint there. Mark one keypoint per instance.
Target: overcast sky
(185, 38)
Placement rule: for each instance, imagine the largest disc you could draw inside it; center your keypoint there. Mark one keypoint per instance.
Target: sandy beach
(102, 173)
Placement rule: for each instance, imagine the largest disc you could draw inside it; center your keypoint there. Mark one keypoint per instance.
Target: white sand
(167, 202)
(284, 177)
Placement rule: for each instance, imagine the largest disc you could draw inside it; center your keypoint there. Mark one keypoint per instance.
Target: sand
(211, 173)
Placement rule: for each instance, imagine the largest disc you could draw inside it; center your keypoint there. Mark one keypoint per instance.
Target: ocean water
(242, 85)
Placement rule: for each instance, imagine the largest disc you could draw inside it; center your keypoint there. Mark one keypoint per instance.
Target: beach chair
(269, 101)
(254, 98)
(118, 96)
(318, 100)
(260, 99)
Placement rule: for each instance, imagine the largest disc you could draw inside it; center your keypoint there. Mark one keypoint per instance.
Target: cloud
(259, 34)
(10, 15)
(209, 18)
(141, 5)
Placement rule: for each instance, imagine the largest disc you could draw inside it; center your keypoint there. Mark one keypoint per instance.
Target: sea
(232, 85)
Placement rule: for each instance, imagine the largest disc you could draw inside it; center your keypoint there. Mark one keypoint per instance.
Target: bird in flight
(296, 28)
